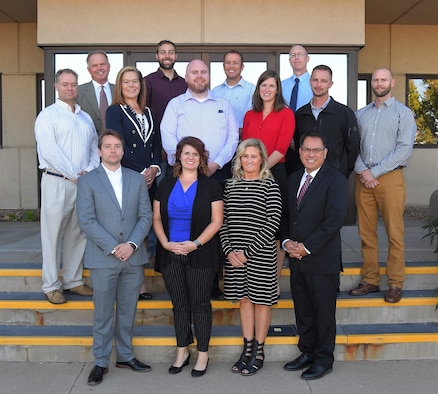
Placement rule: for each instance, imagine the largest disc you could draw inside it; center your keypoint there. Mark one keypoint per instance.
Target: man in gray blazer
(115, 214)
(90, 95)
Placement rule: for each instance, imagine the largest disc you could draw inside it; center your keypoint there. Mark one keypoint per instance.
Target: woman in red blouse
(273, 123)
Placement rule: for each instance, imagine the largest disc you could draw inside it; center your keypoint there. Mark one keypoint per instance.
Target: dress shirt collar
(326, 102)
(66, 106)
(161, 74)
(189, 96)
(240, 83)
(387, 103)
(108, 171)
(98, 85)
(312, 174)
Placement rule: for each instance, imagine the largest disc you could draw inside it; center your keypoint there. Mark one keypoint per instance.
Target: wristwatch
(198, 244)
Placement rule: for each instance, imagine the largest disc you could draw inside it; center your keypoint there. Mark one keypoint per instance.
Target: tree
(425, 108)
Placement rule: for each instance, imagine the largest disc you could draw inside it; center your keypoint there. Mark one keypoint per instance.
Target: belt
(54, 174)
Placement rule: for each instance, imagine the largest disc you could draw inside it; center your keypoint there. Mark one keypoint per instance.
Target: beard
(198, 87)
(382, 93)
(166, 66)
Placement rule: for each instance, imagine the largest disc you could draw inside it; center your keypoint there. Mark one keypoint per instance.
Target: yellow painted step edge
(8, 272)
(359, 302)
(352, 339)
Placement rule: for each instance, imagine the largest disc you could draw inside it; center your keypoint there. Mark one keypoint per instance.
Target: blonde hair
(237, 169)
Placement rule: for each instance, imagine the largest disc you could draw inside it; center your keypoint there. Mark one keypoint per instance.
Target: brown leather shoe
(55, 297)
(81, 290)
(363, 289)
(393, 295)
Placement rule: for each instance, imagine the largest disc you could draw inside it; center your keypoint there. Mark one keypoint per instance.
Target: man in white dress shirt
(67, 148)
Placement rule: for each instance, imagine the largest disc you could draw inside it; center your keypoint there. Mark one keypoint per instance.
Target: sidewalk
(380, 377)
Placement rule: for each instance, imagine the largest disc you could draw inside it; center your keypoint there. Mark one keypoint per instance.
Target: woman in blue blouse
(187, 214)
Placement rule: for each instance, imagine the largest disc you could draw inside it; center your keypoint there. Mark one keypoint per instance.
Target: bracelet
(133, 245)
(198, 244)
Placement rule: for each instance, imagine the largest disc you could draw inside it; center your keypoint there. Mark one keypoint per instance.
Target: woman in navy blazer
(129, 116)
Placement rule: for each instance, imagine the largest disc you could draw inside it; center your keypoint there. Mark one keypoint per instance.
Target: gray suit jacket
(105, 224)
(87, 100)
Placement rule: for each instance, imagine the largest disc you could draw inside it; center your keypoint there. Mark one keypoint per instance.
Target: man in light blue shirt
(235, 89)
(198, 113)
(298, 59)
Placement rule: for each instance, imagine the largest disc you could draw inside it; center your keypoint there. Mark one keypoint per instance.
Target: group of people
(223, 202)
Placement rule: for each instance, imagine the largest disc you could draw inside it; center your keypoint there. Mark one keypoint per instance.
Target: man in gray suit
(95, 96)
(115, 214)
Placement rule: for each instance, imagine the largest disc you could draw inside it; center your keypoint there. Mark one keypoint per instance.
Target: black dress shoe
(145, 296)
(174, 370)
(300, 362)
(316, 372)
(196, 373)
(96, 375)
(134, 364)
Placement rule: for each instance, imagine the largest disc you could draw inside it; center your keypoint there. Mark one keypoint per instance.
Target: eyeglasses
(299, 54)
(314, 150)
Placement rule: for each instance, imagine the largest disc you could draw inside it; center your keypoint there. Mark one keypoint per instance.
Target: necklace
(141, 119)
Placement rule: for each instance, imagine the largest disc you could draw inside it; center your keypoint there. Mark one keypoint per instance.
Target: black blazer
(139, 154)
(208, 191)
(317, 221)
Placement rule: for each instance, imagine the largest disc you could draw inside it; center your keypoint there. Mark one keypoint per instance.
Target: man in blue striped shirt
(387, 129)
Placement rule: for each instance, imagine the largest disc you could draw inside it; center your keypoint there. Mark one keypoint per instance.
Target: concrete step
(33, 309)
(27, 277)
(157, 344)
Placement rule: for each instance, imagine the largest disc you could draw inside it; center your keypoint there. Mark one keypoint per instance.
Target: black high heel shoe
(197, 373)
(255, 363)
(244, 357)
(174, 370)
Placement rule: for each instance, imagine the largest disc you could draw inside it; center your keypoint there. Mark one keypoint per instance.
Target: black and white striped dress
(252, 215)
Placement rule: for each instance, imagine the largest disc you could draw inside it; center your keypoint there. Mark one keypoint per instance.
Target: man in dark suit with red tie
(310, 232)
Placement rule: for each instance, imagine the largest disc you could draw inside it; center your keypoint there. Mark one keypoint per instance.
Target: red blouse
(276, 131)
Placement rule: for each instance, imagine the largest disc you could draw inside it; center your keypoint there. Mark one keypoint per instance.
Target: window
(337, 62)
(364, 95)
(343, 62)
(422, 99)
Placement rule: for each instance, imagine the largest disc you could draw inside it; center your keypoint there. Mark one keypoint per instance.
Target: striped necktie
(304, 189)
(103, 108)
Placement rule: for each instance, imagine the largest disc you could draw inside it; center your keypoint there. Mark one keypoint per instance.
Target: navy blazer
(139, 154)
(106, 224)
(88, 101)
(317, 221)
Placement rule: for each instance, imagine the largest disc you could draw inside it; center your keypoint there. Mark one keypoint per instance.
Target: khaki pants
(389, 199)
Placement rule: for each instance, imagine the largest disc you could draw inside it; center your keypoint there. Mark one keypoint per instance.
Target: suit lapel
(91, 97)
(313, 185)
(126, 183)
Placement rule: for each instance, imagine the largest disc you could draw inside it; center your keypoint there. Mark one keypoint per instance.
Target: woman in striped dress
(252, 212)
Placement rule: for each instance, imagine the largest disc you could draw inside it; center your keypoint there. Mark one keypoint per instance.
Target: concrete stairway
(368, 328)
